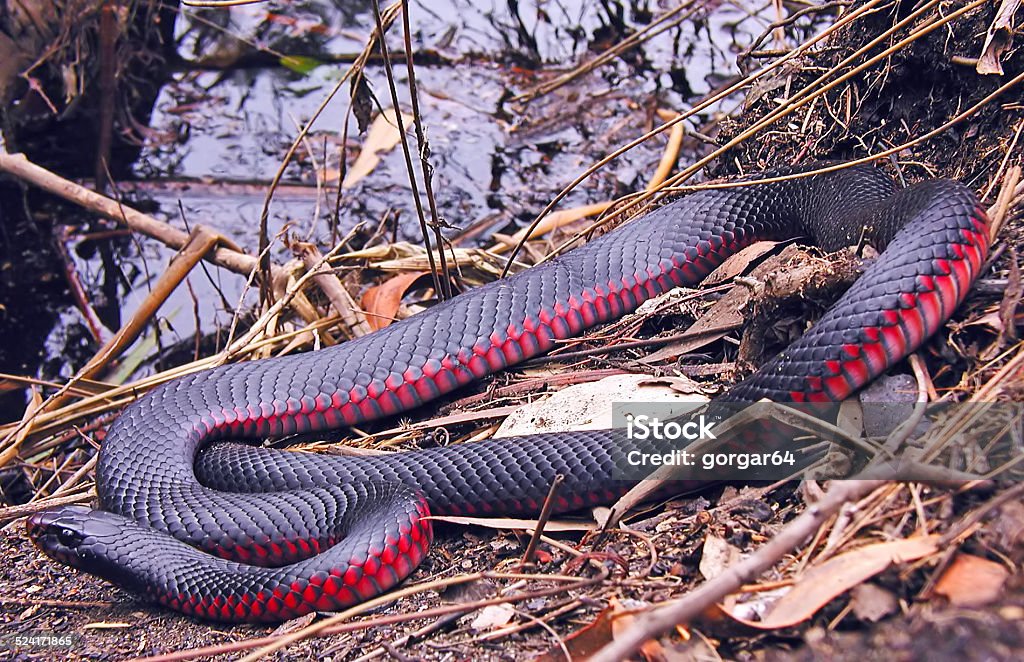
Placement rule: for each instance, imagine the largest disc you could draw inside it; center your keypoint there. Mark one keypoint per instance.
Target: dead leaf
(381, 302)
(1008, 530)
(493, 616)
(739, 263)
(382, 137)
(716, 556)
(553, 221)
(107, 625)
(457, 418)
(819, 585)
(1011, 301)
(971, 581)
(362, 102)
(715, 324)
(614, 620)
(727, 313)
(998, 40)
(584, 642)
(672, 147)
(871, 603)
(35, 402)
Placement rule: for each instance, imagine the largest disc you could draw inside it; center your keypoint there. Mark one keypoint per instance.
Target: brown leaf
(584, 642)
(614, 620)
(716, 556)
(999, 39)
(557, 219)
(727, 313)
(1007, 529)
(971, 581)
(871, 603)
(362, 102)
(11, 452)
(493, 616)
(739, 263)
(725, 316)
(1011, 301)
(381, 302)
(382, 137)
(819, 585)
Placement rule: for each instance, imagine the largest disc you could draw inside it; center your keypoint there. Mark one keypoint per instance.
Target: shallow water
(217, 137)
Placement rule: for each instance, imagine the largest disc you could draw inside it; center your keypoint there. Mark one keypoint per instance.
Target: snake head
(75, 535)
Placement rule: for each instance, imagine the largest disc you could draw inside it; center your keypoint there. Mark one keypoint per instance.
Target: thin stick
(325, 626)
(19, 166)
(686, 609)
(408, 158)
(542, 520)
(341, 300)
(798, 100)
(424, 150)
(704, 104)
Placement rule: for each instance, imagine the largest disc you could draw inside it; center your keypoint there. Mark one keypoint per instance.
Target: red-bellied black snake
(275, 534)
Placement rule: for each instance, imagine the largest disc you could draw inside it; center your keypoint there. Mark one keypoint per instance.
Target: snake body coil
(271, 534)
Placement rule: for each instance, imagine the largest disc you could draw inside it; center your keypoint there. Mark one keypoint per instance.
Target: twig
(408, 638)
(686, 609)
(628, 344)
(707, 102)
(340, 298)
(1010, 151)
(562, 217)
(19, 166)
(14, 512)
(424, 150)
(337, 625)
(78, 292)
(798, 100)
(899, 436)
(200, 242)
(662, 23)
(542, 520)
(784, 22)
(108, 96)
(967, 522)
(388, 18)
(999, 212)
(64, 604)
(534, 622)
(438, 277)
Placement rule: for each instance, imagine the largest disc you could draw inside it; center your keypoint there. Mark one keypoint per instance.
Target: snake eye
(68, 537)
